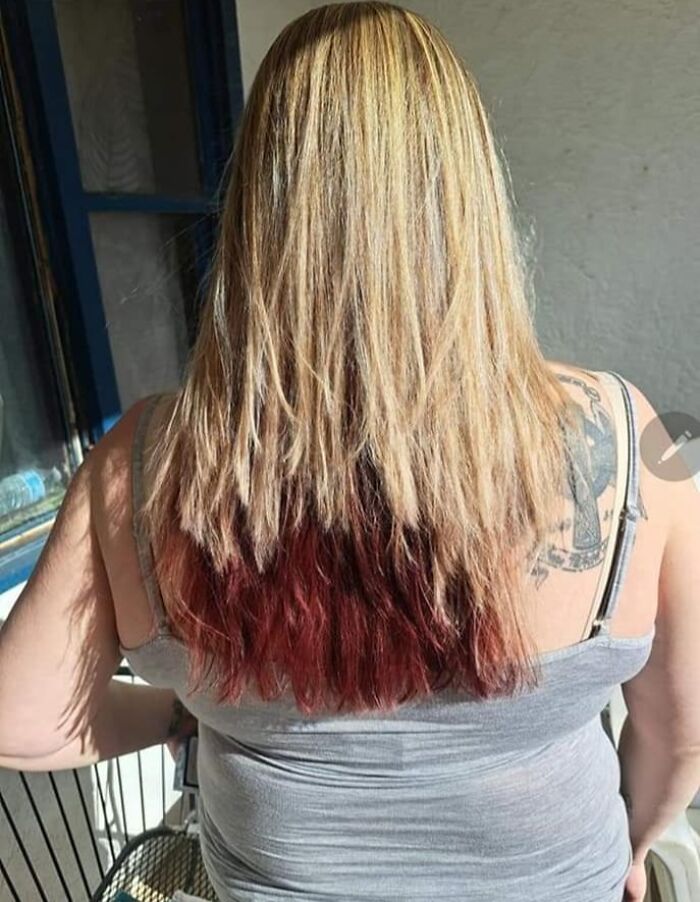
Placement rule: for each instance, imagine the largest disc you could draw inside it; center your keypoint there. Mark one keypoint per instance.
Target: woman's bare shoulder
(162, 411)
(572, 375)
(578, 378)
(112, 513)
(585, 387)
(655, 494)
(110, 464)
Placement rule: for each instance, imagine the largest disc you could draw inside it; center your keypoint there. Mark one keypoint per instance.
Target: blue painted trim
(233, 73)
(16, 566)
(202, 65)
(31, 523)
(214, 57)
(100, 202)
(215, 63)
(203, 53)
(36, 57)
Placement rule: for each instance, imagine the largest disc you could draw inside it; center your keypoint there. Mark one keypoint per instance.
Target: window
(36, 457)
(131, 101)
(117, 122)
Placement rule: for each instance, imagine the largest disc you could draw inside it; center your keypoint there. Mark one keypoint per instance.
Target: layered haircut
(368, 449)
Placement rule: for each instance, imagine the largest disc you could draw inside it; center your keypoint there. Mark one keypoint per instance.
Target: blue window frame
(69, 210)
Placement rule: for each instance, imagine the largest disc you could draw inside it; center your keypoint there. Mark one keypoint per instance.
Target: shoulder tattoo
(577, 540)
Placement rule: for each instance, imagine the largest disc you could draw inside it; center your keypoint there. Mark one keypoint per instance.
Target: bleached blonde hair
(368, 313)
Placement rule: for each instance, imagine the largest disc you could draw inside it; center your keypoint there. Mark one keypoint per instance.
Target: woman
(392, 559)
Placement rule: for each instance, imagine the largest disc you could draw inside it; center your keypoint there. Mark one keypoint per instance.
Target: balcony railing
(117, 830)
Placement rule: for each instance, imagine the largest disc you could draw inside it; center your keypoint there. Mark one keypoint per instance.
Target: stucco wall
(597, 105)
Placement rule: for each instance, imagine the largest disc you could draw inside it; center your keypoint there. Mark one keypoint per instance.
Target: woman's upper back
(559, 608)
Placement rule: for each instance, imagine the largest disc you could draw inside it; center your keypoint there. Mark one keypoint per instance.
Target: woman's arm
(59, 647)
(658, 783)
(130, 718)
(660, 740)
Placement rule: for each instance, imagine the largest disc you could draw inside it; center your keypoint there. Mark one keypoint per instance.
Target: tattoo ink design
(592, 468)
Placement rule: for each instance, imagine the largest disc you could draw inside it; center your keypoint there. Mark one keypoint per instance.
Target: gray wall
(597, 106)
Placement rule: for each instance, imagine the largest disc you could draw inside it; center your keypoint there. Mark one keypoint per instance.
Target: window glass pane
(128, 81)
(34, 460)
(148, 281)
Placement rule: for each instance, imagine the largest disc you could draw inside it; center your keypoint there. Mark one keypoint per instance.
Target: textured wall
(597, 106)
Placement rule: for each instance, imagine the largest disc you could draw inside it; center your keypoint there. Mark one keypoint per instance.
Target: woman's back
(559, 608)
(509, 798)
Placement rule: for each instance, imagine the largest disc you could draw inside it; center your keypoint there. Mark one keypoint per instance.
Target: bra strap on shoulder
(631, 509)
(141, 539)
(628, 515)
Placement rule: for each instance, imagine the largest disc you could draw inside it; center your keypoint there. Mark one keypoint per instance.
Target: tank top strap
(627, 506)
(141, 539)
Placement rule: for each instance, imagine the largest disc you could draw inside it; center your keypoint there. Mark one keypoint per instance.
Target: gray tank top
(506, 800)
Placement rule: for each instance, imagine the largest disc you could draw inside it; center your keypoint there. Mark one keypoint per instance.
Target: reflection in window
(148, 279)
(34, 464)
(127, 74)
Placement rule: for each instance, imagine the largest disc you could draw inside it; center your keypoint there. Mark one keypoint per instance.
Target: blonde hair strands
(368, 313)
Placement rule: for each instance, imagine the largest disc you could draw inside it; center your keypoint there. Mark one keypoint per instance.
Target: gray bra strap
(143, 545)
(629, 514)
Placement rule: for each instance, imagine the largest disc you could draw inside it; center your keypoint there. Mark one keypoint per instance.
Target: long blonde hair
(366, 383)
